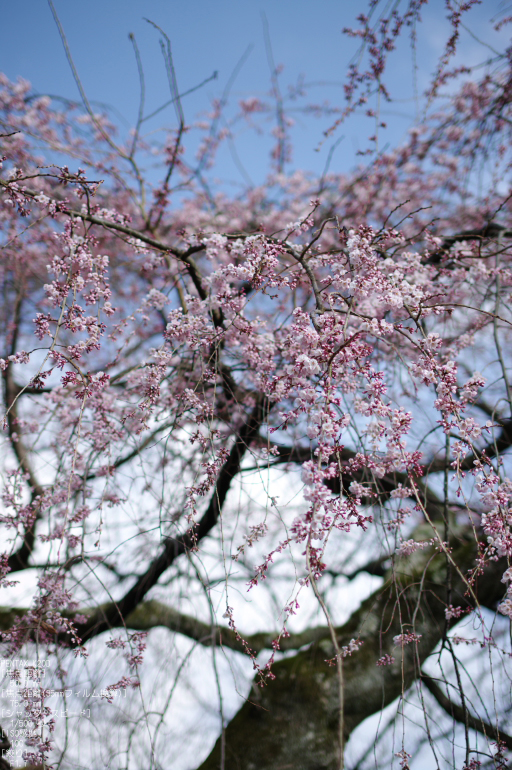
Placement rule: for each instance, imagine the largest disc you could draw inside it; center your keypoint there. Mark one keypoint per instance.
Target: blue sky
(210, 36)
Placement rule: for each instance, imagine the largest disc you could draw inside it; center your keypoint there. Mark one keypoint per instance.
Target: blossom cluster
(158, 348)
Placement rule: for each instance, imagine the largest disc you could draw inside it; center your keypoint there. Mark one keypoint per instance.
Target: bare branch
(177, 546)
(459, 714)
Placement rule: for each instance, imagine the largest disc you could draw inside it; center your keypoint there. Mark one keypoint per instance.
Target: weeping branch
(460, 715)
(293, 721)
(177, 546)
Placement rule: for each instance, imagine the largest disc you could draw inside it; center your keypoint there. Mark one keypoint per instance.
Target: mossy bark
(292, 723)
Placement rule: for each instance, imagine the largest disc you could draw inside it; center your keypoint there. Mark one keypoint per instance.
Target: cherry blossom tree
(275, 424)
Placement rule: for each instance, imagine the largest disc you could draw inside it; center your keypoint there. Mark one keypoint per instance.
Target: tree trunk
(293, 722)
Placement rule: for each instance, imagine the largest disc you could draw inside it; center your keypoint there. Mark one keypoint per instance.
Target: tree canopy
(276, 424)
